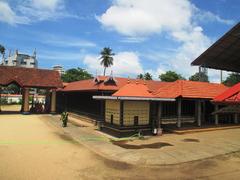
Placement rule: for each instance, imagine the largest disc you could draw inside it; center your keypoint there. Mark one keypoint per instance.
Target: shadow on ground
(124, 145)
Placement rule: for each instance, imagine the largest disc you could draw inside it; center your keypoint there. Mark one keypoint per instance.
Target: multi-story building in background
(59, 68)
(21, 60)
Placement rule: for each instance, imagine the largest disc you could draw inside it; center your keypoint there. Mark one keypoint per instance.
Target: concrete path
(161, 150)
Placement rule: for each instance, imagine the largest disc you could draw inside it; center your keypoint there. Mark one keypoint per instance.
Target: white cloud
(141, 17)
(28, 11)
(67, 42)
(178, 19)
(125, 64)
(207, 16)
(7, 15)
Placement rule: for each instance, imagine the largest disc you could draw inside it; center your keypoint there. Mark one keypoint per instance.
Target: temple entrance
(26, 90)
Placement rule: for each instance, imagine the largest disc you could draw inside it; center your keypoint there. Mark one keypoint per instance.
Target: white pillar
(179, 113)
(216, 115)
(53, 101)
(199, 108)
(236, 118)
(26, 101)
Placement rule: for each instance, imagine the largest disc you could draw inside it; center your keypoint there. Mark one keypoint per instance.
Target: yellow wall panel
(136, 108)
(112, 107)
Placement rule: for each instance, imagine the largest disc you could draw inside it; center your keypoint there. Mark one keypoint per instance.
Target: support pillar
(236, 118)
(53, 101)
(199, 114)
(216, 115)
(159, 114)
(26, 101)
(0, 98)
(179, 113)
(121, 112)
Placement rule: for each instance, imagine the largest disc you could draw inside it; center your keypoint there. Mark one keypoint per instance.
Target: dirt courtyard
(31, 148)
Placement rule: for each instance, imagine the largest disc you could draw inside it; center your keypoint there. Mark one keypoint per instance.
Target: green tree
(13, 89)
(2, 50)
(140, 76)
(147, 76)
(232, 79)
(75, 74)
(199, 76)
(170, 76)
(106, 58)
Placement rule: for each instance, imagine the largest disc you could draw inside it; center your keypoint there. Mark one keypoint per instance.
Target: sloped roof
(232, 95)
(134, 90)
(101, 85)
(30, 77)
(224, 54)
(157, 89)
(190, 89)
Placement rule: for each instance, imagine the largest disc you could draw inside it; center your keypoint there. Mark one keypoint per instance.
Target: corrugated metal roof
(224, 54)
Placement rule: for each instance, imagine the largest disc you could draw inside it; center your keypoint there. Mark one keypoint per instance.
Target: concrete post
(53, 101)
(199, 108)
(216, 115)
(179, 113)
(26, 101)
(0, 98)
(236, 118)
(159, 114)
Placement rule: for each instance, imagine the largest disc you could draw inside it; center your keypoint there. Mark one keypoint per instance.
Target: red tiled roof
(231, 95)
(91, 85)
(191, 89)
(30, 77)
(134, 90)
(172, 90)
(129, 87)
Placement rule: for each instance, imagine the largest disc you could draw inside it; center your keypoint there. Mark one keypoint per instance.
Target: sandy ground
(31, 148)
(10, 107)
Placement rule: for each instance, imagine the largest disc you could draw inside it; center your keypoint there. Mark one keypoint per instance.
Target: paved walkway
(162, 150)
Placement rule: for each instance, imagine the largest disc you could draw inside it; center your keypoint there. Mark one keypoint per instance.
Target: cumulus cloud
(139, 17)
(7, 15)
(28, 11)
(125, 64)
(178, 19)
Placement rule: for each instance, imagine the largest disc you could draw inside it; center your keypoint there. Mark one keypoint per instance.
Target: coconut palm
(106, 58)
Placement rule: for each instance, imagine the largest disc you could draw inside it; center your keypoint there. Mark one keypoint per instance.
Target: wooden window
(111, 118)
(135, 120)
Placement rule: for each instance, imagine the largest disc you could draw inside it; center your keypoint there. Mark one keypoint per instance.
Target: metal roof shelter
(224, 54)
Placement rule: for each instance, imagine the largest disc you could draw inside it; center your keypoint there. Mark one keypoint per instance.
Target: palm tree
(2, 50)
(106, 58)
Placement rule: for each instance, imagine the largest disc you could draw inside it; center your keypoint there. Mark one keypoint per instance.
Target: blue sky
(146, 35)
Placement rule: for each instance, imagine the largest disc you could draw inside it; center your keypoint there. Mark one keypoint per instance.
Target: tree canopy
(199, 76)
(75, 74)
(140, 76)
(170, 76)
(232, 79)
(146, 76)
(106, 58)
(2, 49)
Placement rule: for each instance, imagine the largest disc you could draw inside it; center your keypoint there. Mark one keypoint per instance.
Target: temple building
(126, 106)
